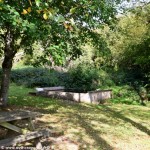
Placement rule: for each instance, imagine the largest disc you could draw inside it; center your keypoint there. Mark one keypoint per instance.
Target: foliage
(33, 77)
(130, 49)
(24, 21)
(83, 77)
(128, 41)
(125, 94)
(130, 86)
(59, 26)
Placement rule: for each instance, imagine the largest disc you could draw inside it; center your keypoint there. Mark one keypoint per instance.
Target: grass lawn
(91, 127)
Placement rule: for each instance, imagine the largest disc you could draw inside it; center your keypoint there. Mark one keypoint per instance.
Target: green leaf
(14, 23)
(72, 10)
(37, 2)
(16, 13)
(59, 18)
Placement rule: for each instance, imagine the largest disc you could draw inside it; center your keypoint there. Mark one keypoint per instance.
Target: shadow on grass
(120, 116)
(78, 120)
(93, 134)
(42, 106)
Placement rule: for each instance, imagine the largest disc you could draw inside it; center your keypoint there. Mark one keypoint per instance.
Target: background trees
(133, 45)
(128, 42)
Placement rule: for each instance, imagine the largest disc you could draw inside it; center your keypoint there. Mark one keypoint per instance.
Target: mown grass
(107, 127)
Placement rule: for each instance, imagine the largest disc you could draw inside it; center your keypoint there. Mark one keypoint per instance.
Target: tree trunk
(5, 81)
(9, 54)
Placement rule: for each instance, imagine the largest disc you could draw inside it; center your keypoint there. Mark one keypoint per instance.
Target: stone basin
(94, 97)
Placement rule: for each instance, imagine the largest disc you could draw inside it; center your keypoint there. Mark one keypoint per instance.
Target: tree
(129, 39)
(129, 43)
(24, 21)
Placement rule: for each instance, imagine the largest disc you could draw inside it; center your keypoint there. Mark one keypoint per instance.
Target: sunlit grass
(108, 126)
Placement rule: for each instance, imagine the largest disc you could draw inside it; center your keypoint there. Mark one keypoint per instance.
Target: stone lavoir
(94, 97)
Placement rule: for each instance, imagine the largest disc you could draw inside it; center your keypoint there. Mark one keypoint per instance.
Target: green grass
(109, 126)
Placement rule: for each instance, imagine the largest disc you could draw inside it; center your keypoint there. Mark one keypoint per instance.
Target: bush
(105, 79)
(83, 77)
(32, 77)
(125, 94)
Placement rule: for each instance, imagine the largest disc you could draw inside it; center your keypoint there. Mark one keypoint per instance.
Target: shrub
(125, 94)
(105, 79)
(32, 77)
(83, 77)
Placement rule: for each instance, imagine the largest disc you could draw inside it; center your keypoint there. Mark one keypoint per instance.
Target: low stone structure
(95, 97)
